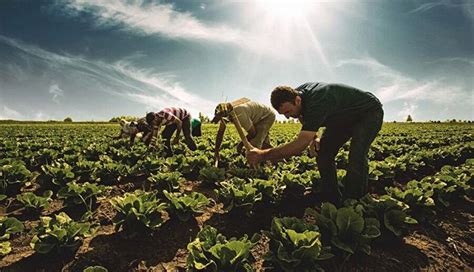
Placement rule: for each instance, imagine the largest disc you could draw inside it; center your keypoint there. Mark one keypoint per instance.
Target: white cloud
(391, 85)
(56, 92)
(408, 109)
(467, 6)
(120, 79)
(150, 18)
(9, 113)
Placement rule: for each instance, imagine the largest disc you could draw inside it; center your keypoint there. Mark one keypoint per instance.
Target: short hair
(282, 94)
(150, 117)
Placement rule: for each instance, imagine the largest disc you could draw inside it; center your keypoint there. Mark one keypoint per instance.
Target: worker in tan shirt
(255, 118)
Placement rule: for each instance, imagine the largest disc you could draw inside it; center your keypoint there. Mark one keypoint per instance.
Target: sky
(93, 60)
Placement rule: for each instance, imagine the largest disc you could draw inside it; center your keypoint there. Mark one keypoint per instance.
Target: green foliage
(8, 226)
(75, 194)
(387, 210)
(185, 205)
(96, 268)
(33, 202)
(211, 175)
(166, 181)
(57, 174)
(295, 245)
(13, 175)
(138, 211)
(238, 193)
(211, 251)
(345, 229)
(59, 233)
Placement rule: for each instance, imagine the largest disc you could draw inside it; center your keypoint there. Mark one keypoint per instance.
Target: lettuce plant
(137, 211)
(75, 194)
(346, 229)
(211, 251)
(13, 175)
(32, 202)
(57, 174)
(8, 225)
(295, 245)
(387, 210)
(166, 181)
(59, 233)
(211, 175)
(238, 193)
(185, 205)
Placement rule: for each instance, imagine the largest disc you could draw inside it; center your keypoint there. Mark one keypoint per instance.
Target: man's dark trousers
(362, 133)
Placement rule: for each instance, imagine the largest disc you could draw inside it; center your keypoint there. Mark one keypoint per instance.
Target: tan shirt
(251, 113)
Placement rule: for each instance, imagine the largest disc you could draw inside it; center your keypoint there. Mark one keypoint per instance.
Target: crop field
(73, 197)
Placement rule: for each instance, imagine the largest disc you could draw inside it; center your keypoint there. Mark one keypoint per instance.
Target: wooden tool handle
(247, 145)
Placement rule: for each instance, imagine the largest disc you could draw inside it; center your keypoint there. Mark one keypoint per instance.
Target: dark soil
(445, 243)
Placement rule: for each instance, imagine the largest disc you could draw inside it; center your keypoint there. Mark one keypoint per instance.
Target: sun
(284, 10)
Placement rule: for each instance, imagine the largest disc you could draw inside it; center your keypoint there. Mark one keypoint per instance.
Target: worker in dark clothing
(347, 113)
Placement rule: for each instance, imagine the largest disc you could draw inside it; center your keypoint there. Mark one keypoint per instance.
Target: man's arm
(154, 135)
(255, 155)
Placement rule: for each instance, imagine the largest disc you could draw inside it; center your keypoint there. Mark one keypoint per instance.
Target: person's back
(251, 113)
(334, 104)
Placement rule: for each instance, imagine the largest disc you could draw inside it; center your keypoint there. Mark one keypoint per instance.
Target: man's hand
(255, 156)
(314, 147)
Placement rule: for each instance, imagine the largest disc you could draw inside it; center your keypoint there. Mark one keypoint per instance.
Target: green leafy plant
(166, 181)
(211, 251)
(238, 193)
(59, 233)
(13, 175)
(211, 175)
(387, 210)
(95, 268)
(186, 205)
(8, 226)
(32, 202)
(345, 228)
(137, 211)
(57, 174)
(75, 194)
(295, 245)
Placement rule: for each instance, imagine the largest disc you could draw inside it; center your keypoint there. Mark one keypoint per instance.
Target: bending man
(174, 119)
(347, 113)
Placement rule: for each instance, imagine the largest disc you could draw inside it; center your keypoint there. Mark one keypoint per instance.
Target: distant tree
(116, 119)
(204, 118)
(409, 119)
(68, 120)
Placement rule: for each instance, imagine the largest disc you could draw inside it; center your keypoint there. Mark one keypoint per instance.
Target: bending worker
(255, 118)
(174, 119)
(347, 113)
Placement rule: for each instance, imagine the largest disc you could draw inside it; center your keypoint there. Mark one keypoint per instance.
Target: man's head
(150, 118)
(286, 101)
(222, 111)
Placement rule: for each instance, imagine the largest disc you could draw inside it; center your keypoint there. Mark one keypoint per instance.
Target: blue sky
(92, 60)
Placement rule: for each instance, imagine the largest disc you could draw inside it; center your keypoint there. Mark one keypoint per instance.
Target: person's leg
(187, 134)
(166, 135)
(332, 140)
(364, 133)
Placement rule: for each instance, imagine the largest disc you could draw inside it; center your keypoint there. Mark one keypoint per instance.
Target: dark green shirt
(326, 105)
(195, 123)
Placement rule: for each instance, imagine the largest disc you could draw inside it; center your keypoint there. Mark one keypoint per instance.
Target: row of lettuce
(296, 244)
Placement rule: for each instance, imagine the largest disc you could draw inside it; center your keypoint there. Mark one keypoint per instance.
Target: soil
(444, 243)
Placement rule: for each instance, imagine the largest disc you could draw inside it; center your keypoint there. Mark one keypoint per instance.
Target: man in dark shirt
(347, 113)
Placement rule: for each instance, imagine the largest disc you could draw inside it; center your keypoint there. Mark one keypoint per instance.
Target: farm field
(74, 197)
